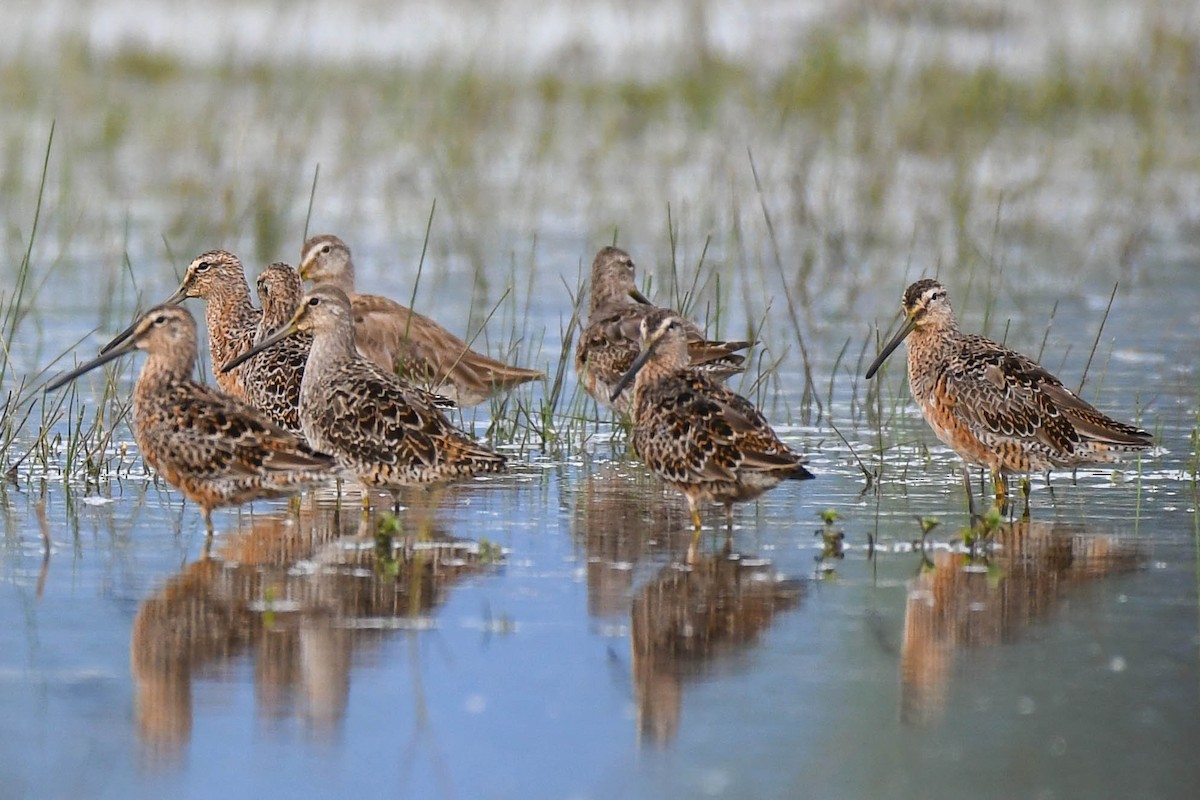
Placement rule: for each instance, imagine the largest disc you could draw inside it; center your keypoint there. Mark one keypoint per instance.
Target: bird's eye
(325, 249)
(161, 319)
(314, 301)
(202, 266)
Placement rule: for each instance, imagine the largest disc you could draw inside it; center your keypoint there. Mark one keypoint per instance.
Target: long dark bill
(116, 352)
(632, 372)
(272, 340)
(905, 330)
(174, 300)
(641, 298)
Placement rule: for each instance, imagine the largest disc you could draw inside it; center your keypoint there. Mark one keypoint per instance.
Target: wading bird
(386, 432)
(993, 406)
(405, 342)
(611, 337)
(696, 435)
(214, 448)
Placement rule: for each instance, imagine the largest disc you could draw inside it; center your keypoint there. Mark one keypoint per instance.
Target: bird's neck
(928, 349)
(231, 305)
(344, 279)
(329, 348)
(603, 301)
(164, 369)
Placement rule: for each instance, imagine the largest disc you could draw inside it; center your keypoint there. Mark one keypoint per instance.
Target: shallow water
(537, 634)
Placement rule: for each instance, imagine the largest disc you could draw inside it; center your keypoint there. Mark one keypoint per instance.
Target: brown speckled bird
(272, 380)
(215, 449)
(611, 337)
(993, 406)
(695, 434)
(410, 344)
(217, 277)
(380, 428)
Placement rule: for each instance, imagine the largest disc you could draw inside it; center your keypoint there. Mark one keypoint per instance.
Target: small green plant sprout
(983, 528)
(385, 535)
(832, 541)
(927, 524)
(490, 552)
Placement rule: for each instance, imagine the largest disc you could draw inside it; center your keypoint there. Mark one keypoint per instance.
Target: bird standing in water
(214, 448)
(993, 406)
(388, 433)
(696, 435)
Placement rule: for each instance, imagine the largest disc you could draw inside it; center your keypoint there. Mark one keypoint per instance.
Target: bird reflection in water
(962, 601)
(689, 617)
(305, 595)
(624, 518)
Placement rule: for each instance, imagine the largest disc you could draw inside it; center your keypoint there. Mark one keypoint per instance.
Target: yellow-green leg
(1000, 485)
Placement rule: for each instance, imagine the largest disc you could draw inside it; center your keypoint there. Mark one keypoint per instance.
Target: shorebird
(695, 434)
(380, 428)
(272, 381)
(217, 277)
(215, 449)
(610, 340)
(993, 406)
(400, 340)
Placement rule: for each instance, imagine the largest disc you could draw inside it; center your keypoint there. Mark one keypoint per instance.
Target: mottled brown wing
(206, 433)
(612, 341)
(700, 431)
(369, 413)
(999, 392)
(1094, 424)
(425, 353)
(273, 379)
(702, 350)
(754, 440)
(678, 445)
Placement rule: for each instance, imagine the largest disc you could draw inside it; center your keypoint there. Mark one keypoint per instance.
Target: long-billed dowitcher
(695, 434)
(993, 406)
(215, 449)
(610, 340)
(385, 431)
(272, 381)
(217, 277)
(410, 344)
